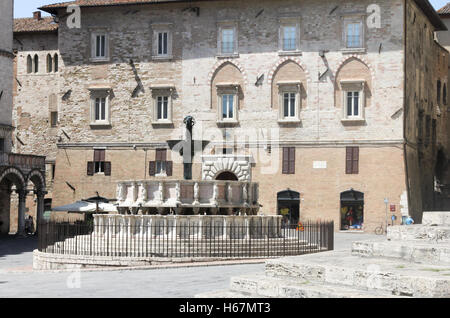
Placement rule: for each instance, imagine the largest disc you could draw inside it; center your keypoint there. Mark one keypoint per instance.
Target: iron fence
(185, 241)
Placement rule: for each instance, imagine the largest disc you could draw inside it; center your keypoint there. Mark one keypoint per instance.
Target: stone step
(262, 286)
(422, 252)
(223, 294)
(396, 277)
(419, 232)
(435, 217)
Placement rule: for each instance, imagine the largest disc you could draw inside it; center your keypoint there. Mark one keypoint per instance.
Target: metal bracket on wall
(71, 186)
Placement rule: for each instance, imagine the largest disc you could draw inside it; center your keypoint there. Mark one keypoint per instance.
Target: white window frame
(162, 28)
(100, 94)
(223, 26)
(289, 88)
(356, 86)
(289, 23)
(228, 90)
(161, 92)
(357, 19)
(94, 56)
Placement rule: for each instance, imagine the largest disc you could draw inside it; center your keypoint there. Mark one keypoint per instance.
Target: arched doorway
(227, 176)
(289, 206)
(10, 179)
(352, 210)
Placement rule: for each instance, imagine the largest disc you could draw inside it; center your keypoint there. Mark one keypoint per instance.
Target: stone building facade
(36, 89)
(19, 174)
(311, 99)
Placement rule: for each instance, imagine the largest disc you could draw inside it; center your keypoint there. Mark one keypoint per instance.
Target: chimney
(37, 15)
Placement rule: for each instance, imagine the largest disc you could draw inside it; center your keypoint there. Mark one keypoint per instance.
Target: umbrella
(85, 206)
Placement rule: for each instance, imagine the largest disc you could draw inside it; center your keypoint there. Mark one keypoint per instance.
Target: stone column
(22, 206)
(40, 208)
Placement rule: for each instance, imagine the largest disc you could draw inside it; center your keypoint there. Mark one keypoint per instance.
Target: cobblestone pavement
(18, 280)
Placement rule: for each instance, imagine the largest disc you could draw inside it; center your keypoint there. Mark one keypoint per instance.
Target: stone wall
(6, 63)
(422, 108)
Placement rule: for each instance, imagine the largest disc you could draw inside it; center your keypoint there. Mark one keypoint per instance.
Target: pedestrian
(409, 221)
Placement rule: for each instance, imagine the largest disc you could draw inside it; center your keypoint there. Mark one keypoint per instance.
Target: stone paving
(18, 280)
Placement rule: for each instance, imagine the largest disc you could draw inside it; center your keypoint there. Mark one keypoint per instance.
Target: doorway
(352, 210)
(289, 206)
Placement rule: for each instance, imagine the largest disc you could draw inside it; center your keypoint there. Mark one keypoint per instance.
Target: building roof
(424, 5)
(445, 10)
(26, 25)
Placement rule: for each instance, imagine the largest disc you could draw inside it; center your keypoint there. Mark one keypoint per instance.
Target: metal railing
(186, 241)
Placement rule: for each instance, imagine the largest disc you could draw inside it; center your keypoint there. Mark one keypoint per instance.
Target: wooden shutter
(169, 168)
(107, 168)
(355, 160)
(292, 160)
(152, 168)
(285, 160)
(349, 160)
(90, 168)
(99, 155)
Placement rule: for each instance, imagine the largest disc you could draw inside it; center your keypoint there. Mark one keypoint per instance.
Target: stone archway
(214, 165)
(37, 178)
(9, 177)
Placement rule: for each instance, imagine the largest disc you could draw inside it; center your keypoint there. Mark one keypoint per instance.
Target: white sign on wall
(320, 165)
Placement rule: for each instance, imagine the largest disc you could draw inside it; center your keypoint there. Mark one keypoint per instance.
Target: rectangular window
(353, 104)
(163, 43)
(227, 41)
(289, 102)
(163, 107)
(352, 160)
(53, 171)
(354, 35)
(228, 106)
(100, 109)
(161, 167)
(53, 119)
(289, 160)
(289, 38)
(99, 165)
(100, 46)
(2, 144)
(99, 161)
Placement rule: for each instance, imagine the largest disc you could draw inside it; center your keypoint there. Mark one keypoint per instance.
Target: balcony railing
(23, 162)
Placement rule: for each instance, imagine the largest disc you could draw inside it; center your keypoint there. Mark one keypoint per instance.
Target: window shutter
(152, 168)
(107, 168)
(349, 161)
(90, 168)
(161, 155)
(292, 160)
(355, 168)
(169, 168)
(285, 160)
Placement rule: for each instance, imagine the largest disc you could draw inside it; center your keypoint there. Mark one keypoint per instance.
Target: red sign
(392, 207)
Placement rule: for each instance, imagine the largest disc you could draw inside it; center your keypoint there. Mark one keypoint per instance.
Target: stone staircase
(414, 261)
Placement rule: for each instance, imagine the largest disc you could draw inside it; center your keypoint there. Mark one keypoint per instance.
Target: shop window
(289, 207)
(352, 210)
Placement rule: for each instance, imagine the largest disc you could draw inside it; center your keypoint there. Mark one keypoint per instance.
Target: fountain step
(416, 252)
(398, 277)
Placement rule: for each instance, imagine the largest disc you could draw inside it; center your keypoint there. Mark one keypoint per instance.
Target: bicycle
(380, 230)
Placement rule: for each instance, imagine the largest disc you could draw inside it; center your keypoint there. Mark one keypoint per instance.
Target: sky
(25, 8)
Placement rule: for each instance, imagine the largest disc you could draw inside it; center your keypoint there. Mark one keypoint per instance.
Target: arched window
(55, 58)
(36, 63)
(49, 63)
(29, 64)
